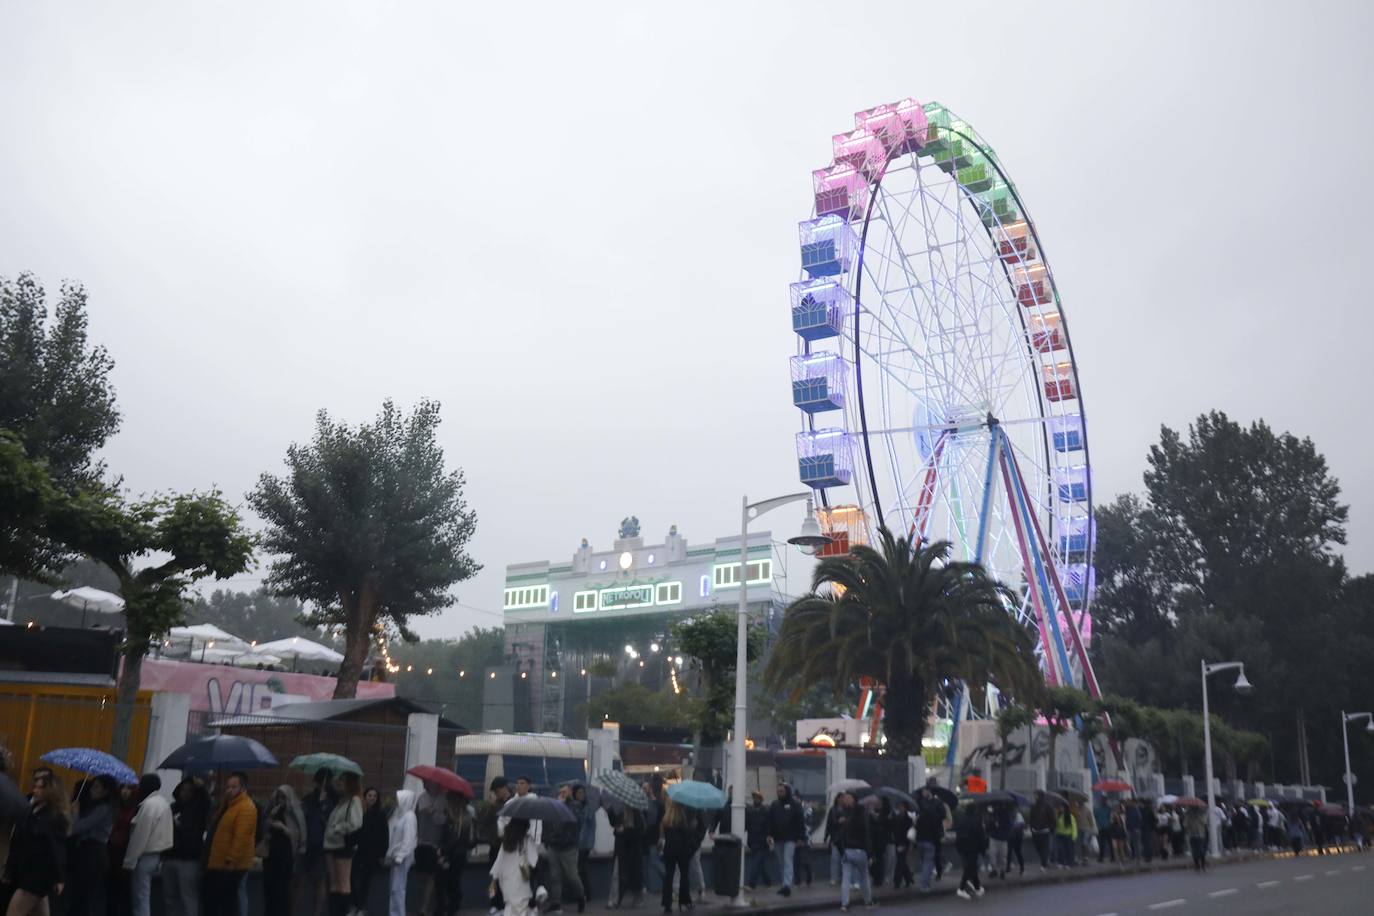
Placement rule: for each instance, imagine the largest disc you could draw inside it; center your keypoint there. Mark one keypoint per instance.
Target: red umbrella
(450, 780)
(1333, 810)
(1189, 802)
(1111, 785)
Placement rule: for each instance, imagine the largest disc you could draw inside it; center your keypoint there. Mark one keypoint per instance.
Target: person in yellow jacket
(1065, 837)
(232, 839)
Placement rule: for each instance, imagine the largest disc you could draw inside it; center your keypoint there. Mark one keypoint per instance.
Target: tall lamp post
(1346, 719)
(1243, 687)
(810, 540)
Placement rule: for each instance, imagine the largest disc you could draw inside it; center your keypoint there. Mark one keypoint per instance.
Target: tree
(1060, 705)
(257, 616)
(1010, 719)
(455, 685)
(156, 548)
(635, 704)
(711, 641)
(908, 617)
(367, 526)
(56, 410)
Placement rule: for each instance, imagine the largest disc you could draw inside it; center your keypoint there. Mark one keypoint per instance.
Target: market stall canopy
(206, 636)
(297, 648)
(237, 657)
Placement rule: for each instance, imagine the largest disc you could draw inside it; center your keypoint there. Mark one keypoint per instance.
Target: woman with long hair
(285, 841)
(89, 861)
(37, 863)
(118, 900)
(514, 867)
(344, 820)
(677, 843)
(455, 842)
(370, 844)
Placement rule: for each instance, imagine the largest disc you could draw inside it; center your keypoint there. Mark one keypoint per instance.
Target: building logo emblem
(629, 527)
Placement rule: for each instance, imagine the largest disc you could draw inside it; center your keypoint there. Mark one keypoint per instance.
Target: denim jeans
(787, 853)
(835, 864)
(399, 872)
(756, 867)
(998, 853)
(854, 866)
(181, 887)
(141, 883)
(927, 849)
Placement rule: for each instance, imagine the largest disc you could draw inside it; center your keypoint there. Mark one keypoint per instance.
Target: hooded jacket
(402, 828)
(785, 821)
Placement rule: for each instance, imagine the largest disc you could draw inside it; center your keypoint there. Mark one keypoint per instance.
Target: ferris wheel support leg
(952, 756)
(1051, 663)
(917, 533)
(1080, 651)
(985, 510)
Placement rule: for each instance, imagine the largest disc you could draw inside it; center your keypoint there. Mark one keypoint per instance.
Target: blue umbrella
(694, 794)
(219, 752)
(93, 763)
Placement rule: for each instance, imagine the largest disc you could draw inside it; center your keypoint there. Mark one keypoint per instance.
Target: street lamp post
(1346, 719)
(1242, 687)
(809, 540)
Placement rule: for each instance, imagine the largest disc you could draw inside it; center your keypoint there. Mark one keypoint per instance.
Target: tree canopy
(909, 618)
(711, 641)
(367, 526)
(1231, 554)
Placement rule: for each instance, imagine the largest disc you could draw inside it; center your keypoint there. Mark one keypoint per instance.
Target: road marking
(1167, 904)
(1304, 877)
(1268, 884)
(1357, 868)
(1106, 914)
(1334, 871)
(1226, 893)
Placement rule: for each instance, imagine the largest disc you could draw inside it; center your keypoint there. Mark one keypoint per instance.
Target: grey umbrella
(538, 808)
(623, 789)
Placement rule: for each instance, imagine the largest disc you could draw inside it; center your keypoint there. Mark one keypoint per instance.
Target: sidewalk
(821, 896)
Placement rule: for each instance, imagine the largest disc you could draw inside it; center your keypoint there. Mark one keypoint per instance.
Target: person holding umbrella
(560, 841)
(89, 861)
(151, 836)
(181, 863)
(232, 837)
(455, 843)
(318, 805)
(514, 867)
(677, 842)
(344, 820)
(285, 841)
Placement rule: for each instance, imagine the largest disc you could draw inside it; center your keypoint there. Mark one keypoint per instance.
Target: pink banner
(222, 689)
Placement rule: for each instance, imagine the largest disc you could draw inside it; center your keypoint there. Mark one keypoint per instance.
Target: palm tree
(908, 617)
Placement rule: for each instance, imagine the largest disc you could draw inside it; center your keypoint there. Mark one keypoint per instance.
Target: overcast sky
(574, 224)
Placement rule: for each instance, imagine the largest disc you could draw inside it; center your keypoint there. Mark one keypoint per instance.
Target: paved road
(1330, 885)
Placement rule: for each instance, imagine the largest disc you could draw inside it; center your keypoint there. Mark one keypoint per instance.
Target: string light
(462, 674)
(429, 671)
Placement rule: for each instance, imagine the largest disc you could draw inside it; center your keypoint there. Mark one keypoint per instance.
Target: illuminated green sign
(627, 597)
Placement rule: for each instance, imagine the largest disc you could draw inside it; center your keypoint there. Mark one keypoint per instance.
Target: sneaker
(963, 894)
(541, 895)
(844, 909)
(785, 891)
(979, 891)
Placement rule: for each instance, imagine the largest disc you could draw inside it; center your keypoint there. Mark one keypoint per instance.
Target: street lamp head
(1244, 687)
(810, 539)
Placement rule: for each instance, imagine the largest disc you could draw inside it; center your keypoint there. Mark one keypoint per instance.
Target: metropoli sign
(629, 596)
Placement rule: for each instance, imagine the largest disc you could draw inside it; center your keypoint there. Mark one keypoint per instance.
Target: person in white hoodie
(150, 838)
(400, 854)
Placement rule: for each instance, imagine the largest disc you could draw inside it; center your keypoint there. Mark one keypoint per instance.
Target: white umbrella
(204, 637)
(90, 599)
(237, 657)
(297, 648)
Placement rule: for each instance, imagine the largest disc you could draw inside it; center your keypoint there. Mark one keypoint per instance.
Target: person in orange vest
(232, 839)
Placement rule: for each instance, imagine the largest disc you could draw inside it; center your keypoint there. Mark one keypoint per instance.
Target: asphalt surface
(1333, 884)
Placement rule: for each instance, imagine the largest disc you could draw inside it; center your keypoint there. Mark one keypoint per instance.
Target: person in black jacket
(902, 823)
(37, 863)
(756, 841)
(371, 841)
(181, 863)
(970, 841)
(628, 827)
(785, 824)
(677, 842)
(455, 843)
(854, 833)
(930, 834)
(560, 843)
(88, 861)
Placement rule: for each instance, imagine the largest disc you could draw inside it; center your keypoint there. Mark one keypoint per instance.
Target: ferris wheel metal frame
(928, 319)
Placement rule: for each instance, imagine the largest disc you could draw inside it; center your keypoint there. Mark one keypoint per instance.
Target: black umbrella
(219, 752)
(944, 795)
(896, 795)
(538, 808)
(997, 797)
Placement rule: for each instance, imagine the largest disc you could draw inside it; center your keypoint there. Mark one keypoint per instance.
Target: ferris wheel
(934, 375)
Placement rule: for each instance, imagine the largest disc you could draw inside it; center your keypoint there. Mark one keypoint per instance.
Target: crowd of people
(97, 847)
